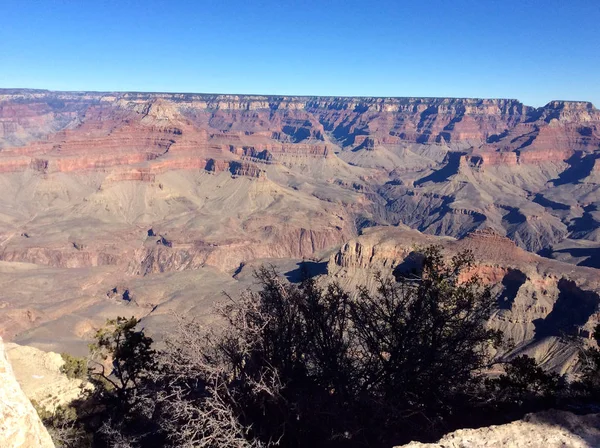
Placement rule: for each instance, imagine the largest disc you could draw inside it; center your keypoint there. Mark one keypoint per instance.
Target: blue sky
(532, 50)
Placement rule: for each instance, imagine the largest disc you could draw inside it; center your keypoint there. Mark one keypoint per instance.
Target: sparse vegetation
(63, 426)
(588, 386)
(74, 367)
(301, 365)
(525, 384)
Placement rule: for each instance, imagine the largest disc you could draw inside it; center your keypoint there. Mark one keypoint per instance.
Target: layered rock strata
(539, 300)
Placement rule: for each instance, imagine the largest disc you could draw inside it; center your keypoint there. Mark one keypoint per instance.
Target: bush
(117, 409)
(588, 385)
(301, 365)
(63, 426)
(525, 383)
(74, 368)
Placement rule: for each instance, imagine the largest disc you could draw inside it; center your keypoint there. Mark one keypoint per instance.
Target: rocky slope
(20, 426)
(550, 429)
(39, 375)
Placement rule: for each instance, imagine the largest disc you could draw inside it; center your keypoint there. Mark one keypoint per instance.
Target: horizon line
(22, 89)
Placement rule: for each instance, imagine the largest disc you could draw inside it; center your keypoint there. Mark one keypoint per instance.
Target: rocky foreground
(20, 426)
(550, 429)
(38, 375)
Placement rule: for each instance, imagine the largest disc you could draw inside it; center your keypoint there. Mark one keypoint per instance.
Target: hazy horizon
(532, 51)
(277, 95)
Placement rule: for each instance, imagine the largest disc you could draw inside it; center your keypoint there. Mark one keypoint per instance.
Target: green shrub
(525, 382)
(588, 385)
(74, 367)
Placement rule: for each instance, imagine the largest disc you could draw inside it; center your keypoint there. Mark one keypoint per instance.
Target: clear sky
(533, 50)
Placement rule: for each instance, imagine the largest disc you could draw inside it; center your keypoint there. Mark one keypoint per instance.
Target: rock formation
(442, 165)
(549, 429)
(20, 426)
(39, 375)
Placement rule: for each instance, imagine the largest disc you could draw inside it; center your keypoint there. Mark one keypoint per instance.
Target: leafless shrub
(197, 404)
(117, 438)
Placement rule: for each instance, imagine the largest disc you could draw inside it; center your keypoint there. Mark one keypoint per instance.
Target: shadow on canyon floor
(573, 308)
(306, 269)
(444, 173)
(580, 167)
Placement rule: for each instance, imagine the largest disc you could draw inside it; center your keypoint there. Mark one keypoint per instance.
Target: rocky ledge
(20, 426)
(549, 429)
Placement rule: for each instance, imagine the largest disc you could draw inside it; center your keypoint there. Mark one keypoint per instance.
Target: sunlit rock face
(39, 374)
(549, 429)
(20, 426)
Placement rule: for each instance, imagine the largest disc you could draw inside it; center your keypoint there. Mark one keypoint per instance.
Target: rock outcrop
(39, 375)
(549, 429)
(442, 165)
(20, 426)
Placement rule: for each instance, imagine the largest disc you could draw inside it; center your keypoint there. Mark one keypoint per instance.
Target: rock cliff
(20, 426)
(39, 375)
(442, 165)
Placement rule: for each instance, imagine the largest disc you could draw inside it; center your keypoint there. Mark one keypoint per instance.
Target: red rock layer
(132, 128)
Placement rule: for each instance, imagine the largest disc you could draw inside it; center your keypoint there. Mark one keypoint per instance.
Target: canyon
(150, 204)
